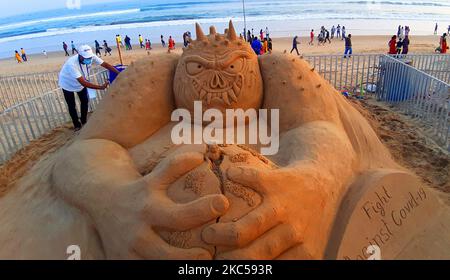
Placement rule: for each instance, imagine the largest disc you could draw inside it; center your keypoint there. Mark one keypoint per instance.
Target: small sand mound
(23, 160)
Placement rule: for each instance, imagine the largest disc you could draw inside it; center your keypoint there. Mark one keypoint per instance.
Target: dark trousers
(84, 104)
(295, 48)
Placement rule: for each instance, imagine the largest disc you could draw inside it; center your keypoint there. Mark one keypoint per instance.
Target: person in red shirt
(443, 43)
(311, 42)
(171, 44)
(393, 45)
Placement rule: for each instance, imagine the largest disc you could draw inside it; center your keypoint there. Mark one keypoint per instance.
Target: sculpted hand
(126, 207)
(278, 225)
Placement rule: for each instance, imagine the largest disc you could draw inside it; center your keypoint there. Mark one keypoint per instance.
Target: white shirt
(72, 70)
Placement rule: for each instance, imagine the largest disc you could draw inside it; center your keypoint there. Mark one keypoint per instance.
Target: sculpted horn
(212, 30)
(199, 32)
(231, 32)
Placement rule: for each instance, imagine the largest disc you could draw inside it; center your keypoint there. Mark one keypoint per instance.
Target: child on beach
(163, 43)
(18, 58)
(343, 33)
(311, 36)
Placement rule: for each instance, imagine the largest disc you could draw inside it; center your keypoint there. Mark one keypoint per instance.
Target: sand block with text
(380, 214)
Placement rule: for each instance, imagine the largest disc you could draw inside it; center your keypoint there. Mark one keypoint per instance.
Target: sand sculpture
(123, 190)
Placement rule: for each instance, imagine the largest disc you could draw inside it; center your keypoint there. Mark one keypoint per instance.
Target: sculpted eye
(193, 68)
(236, 66)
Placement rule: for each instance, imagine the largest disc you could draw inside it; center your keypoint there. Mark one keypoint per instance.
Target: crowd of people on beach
(261, 43)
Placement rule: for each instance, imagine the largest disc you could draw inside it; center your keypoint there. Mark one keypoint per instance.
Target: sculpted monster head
(222, 71)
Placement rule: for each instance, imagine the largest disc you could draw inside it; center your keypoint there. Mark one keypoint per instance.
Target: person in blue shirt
(256, 46)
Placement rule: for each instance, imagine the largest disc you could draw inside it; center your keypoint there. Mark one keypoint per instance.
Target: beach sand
(361, 44)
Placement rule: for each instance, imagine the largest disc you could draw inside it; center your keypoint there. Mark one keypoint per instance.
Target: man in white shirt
(74, 77)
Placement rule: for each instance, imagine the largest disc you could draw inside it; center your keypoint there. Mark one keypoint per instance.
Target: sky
(29, 6)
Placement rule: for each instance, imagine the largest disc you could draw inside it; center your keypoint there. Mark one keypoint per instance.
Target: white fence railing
(28, 120)
(417, 94)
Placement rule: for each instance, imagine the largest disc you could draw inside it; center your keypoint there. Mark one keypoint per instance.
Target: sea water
(47, 30)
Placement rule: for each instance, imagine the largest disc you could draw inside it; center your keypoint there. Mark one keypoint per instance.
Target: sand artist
(123, 190)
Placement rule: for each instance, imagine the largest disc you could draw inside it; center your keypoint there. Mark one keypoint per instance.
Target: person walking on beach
(18, 57)
(163, 43)
(348, 46)
(407, 30)
(74, 78)
(107, 48)
(97, 49)
(74, 49)
(295, 43)
(24, 55)
(327, 36)
(399, 46)
(393, 45)
(65, 49)
(128, 46)
(405, 45)
(249, 37)
(148, 45)
(333, 30)
(171, 44)
(311, 37)
(338, 31)
(402, 33)
(435, 29)
(141, 41)
(267, 32)
(443, 43)
(44, 52)
(398, 31)
(343, 33)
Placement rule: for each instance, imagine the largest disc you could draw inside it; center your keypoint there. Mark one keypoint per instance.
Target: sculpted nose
(217, 81)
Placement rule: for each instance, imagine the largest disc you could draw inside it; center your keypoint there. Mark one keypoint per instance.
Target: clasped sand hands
(122, 189)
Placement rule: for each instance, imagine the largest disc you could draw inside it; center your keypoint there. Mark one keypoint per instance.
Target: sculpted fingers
(149, 245)
(181, 217)
(172, 168)
(249, 177)
(243, 231)
(269, 246)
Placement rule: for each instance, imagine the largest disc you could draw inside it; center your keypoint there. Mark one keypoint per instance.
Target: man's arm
(109, 67)
(88, 84)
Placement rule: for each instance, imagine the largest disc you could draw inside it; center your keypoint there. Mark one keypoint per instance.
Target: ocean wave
(64, 18)
(434, 4)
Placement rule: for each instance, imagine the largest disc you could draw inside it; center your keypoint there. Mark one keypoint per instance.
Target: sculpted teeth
(236, 89)
(202, 93)
(232, 95)
(225, 98)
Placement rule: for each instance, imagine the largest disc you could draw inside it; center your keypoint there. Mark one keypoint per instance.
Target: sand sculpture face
(221, 71)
